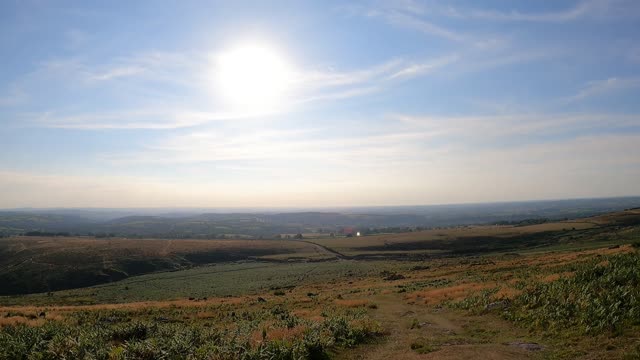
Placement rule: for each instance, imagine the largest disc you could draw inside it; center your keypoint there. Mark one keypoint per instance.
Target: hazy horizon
(324, 208)
(317, 104)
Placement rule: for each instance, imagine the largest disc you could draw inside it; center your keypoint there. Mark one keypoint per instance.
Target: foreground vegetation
(601, 295)
(207, 332)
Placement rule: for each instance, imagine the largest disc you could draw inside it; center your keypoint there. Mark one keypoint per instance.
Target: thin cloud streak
(581, 10)
(490, 127)
(424, 26)
(423, 68)
(601, 87)
(310, 86)
(152, 120)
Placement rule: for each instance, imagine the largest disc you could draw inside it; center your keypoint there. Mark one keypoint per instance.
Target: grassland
(37, 264)
(558, 293)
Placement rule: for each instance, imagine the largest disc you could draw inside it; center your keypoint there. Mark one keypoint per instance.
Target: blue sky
(118, 104)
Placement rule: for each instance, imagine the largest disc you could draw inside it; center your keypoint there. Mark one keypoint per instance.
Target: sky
(317, 103)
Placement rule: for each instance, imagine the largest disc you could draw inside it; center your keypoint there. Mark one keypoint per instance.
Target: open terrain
(561, 290)
(30, 264)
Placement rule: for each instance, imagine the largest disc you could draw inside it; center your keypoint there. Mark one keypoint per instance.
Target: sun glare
(253, 77)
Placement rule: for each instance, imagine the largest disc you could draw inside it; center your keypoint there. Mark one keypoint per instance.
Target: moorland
(519, 289)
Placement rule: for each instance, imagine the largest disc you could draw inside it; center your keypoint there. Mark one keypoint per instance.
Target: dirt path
(328, 250)
(421, 332)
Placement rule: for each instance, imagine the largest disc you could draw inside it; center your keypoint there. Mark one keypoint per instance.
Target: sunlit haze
(253, 77)
(316, 104)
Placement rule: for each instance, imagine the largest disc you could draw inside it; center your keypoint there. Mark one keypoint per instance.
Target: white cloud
(422, 25)
(603, 165)
(488, 128)
(117, 72)
(308, 146)
(414, 70)
(142, 72)
(582, 9)
(600, 87)
(153, 119)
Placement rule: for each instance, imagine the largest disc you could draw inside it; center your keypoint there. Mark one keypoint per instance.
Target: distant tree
(298, 236)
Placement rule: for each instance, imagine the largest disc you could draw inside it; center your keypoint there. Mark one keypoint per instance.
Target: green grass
(603, 295)
(209, 281)
(41, 264)
(215, 332)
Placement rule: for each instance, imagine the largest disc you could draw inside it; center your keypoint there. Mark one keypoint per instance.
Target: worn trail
(422, 332)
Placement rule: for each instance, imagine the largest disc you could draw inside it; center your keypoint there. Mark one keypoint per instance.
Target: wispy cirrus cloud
(419, 24)
(418, 69)
(117, 72)
(402, 139)
(306, 145)
(601, 87)
(143, 72)
(580, 10)
(489, 127)
(156, 119)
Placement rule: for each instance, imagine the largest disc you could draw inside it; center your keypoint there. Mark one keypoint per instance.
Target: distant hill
(200, 223)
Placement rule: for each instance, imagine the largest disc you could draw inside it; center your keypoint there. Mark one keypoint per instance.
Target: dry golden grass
(354, 243)
(556, 276)
(352, 303)
(129, 306)
(286, 333)
(507, 293)
(451, 293)
(20, 320)
(149, 246)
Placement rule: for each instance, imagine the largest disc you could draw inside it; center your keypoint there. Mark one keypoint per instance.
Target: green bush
(601, 296)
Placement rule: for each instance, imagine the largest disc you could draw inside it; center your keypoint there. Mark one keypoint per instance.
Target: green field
(220, 280)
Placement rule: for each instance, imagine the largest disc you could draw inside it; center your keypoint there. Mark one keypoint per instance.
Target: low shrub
(601, 296)
(108, 335)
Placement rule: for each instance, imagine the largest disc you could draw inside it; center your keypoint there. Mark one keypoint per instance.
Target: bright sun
(253, 77)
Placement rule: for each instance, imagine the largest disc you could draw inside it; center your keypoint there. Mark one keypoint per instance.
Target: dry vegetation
(420, 240)
(554, 302)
